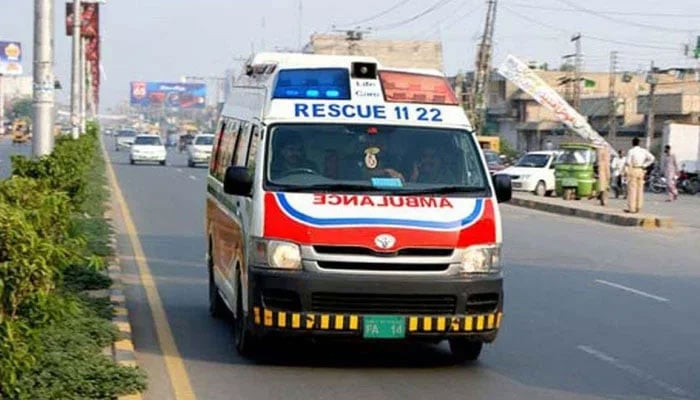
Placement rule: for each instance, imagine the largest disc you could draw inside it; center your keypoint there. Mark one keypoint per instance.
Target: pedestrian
(618, 170)
(670, 173)
(638, 160)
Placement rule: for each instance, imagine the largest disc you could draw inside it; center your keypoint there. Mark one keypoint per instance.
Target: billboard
(90, 19)
(168, 94)
(10, 58)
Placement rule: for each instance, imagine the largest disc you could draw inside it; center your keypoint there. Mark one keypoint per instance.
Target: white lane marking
(179, 170)
(635, 291)
(632, 370)
(194, 178)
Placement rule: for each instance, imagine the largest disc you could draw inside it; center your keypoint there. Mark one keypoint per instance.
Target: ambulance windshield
(311, 157)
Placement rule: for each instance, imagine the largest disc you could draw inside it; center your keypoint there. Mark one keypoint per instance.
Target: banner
(526, 79)
(167, 94)
(10, 58)
(90, 20)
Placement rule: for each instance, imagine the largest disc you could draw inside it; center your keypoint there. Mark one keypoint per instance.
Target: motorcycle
(688, 182)
(655, 182)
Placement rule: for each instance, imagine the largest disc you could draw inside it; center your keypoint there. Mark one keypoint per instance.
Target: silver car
(124, 139)
(199, 152)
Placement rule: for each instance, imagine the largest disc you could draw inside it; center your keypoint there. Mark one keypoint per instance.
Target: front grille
(338, 265)
(365, 251)
(281, 300)
(482, 303)
(361, 303)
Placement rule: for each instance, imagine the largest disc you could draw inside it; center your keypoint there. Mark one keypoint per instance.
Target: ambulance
(348, 200)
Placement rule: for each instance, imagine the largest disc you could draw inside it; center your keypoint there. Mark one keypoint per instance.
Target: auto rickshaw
(20, 132)
(583, 171)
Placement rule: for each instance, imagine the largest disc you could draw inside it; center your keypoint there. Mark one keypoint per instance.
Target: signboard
(168, 94)
(526, 79)
(10, 58)
(90, 19)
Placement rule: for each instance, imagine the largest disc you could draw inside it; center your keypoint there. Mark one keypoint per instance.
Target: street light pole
(75, 71)
(651, 79)
(83, 85)
(43, 97)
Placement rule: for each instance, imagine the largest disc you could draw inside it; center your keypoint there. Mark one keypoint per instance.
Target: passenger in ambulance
(432, 166)
(289, 155)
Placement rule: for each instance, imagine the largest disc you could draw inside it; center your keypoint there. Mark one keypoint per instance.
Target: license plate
(569, 182)
(384, 327)
(517, 185)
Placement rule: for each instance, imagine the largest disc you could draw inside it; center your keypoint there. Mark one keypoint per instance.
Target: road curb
(630, 220)
(122, 351)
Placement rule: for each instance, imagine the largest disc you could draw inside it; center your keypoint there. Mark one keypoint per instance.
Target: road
(592, 311)
(6, 150)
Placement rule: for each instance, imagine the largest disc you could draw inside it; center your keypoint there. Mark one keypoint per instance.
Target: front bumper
(148, 157)
(287, 303)
(200, 158)
(523, 185)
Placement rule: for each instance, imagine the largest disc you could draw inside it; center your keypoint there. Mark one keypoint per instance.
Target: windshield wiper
(352, 187)
(444, 190)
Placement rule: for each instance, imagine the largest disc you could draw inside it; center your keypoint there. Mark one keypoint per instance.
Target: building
(390, 53)
(527, 125)
(16, 87)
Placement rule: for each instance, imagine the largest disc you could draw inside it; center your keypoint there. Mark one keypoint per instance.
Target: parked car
(124, 139)
(534, 172)
(148, 148)
(199, 151)
(494, 161)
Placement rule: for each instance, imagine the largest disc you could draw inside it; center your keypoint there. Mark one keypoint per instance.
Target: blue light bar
(320, 83)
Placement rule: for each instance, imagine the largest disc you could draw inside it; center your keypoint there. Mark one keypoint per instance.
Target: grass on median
(53, 242)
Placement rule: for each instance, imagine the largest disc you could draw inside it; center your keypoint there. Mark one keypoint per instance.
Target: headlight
(481, 259)
(524, 177)
(276, 254)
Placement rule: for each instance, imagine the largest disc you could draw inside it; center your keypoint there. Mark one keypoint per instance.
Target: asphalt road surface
(591, 312)
(6, 150)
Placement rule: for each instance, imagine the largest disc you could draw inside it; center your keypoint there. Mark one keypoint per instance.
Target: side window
(253, 148)
(227, 147)
(240, 157)
(216, 150)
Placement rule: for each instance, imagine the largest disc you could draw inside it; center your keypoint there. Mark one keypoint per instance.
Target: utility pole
(479, 101)
(577, 72)
(300, 22)
(43, 97)
(352, 37)
(612, 122)
(651, 80)
(75, 75)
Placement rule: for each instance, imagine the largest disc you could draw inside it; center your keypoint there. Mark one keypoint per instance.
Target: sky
(167, 39)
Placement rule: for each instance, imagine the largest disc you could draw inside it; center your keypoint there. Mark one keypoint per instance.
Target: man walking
(670, 173)
(638, 159)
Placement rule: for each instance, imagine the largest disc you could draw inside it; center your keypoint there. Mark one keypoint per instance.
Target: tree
(22, 108)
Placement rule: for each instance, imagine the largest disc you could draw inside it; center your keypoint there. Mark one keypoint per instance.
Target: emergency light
(321, 83)
(406, 87)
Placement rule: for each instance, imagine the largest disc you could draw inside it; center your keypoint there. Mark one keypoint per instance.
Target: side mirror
(504, 189)
(238, 181)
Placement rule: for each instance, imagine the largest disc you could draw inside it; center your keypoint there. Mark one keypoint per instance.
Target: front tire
(540, 189)
(164, 163)
(245, 341)
(131, 161)
(464, 350)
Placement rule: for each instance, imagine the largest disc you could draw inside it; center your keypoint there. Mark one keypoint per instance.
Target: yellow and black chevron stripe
(350, 322)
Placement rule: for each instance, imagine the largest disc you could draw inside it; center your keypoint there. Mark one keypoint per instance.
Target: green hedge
(53, 240)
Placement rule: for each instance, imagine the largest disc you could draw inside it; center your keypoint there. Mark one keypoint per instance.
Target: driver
(290, 156)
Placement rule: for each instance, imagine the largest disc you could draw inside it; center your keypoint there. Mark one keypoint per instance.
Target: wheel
(164, 162)
(245, 341)
(190, 164)
(131, 161)
(694, 186)
(217, 307)
(568, 194)
(464, 350)
(540, 189)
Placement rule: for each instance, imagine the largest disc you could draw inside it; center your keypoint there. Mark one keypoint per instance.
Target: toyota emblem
(385, 241)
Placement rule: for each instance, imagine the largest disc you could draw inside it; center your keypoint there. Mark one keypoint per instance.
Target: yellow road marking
(427, 324)
(412, 324)
(296, 320)
(179, 380)
(339, 322)
(354, 321)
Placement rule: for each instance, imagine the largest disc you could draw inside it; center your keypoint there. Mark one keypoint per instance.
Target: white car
(148, 148)
(534, 172)
(124, 138)
(199, 152)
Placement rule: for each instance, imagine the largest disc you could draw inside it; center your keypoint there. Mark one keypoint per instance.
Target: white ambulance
(350, 200)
